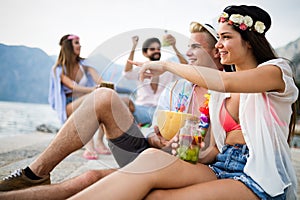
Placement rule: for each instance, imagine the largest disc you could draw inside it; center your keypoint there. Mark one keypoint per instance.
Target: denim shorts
(230, 163)
(69, 100)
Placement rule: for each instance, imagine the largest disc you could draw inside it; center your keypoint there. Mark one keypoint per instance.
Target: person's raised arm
(172, 41)
(128, 66)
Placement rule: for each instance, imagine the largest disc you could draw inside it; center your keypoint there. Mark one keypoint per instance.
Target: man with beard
(148, 92)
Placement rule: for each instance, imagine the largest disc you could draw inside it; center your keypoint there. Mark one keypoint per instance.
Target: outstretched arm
(255, 80)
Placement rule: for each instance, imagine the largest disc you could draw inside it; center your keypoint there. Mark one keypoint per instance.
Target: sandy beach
(19, 150)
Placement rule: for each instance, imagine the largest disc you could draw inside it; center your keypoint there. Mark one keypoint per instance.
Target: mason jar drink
(189, 141)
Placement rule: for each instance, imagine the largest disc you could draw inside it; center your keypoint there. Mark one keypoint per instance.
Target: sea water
(22, 118)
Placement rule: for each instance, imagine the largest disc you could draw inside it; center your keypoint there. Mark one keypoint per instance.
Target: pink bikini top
(228, 123)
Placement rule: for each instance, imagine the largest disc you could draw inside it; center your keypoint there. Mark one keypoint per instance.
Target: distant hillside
(291, 51)
(24, 74)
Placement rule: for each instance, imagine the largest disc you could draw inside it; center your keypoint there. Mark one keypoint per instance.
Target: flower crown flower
(243, 22)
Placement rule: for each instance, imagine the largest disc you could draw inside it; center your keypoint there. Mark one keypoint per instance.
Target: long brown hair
(262, 49)
(66, 57)
(263, 52)
(292, 123)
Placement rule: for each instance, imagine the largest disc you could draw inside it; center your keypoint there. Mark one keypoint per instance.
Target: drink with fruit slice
(170, 122)
(189, 141)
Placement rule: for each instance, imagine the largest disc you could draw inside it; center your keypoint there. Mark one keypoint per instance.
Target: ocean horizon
(23, 118)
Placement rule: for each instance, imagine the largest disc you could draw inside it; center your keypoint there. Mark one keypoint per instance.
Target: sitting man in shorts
(124, 137)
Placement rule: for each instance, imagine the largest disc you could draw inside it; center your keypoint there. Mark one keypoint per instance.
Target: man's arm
(172, 41)
(128, 66)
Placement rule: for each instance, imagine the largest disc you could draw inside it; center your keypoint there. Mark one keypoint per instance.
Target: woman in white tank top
(75, 81)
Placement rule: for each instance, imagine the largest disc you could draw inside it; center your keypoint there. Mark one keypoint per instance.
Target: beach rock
(47, 128)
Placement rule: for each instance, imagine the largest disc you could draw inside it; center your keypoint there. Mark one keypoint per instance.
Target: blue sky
(39, 23)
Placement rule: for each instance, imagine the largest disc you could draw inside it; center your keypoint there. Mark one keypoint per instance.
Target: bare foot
(103, 150)
(90, 155)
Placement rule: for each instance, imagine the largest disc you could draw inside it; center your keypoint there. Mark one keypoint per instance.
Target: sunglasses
(153, 49)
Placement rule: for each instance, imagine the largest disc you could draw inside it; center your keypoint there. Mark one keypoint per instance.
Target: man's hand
(135, 40)
(156, 140)
(149, 68)
(128, 66)
(170, 39)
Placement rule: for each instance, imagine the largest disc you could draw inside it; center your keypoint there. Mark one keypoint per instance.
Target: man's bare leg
(60, 190)
(101, 106)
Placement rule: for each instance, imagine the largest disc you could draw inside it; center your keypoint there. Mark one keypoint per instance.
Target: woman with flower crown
(251, 114)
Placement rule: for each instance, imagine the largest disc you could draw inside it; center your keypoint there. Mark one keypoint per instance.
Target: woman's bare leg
(71, 107)
(217, 189)
(152, 169)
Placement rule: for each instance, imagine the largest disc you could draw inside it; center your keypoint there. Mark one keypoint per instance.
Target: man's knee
(129, 103)
(104, 97)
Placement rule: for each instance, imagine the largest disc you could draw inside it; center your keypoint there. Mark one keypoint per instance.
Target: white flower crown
(243, 22)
